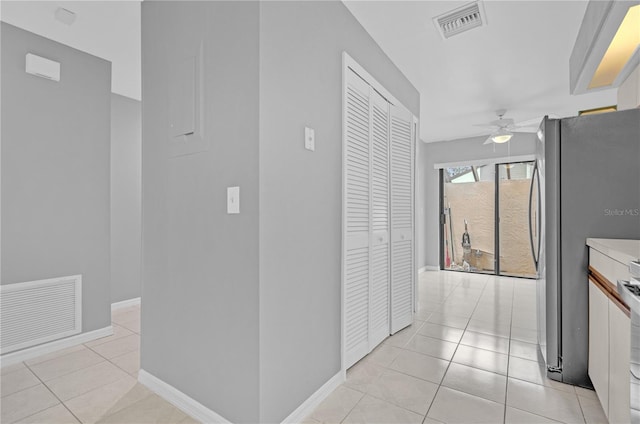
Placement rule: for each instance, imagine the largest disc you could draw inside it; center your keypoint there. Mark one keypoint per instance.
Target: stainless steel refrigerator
(587, 180)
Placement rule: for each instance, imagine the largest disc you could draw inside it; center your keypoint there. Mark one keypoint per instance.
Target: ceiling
(518, 62)
(107, 29)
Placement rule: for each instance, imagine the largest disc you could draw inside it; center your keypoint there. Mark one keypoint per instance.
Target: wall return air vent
(462, 19)
(39, 311)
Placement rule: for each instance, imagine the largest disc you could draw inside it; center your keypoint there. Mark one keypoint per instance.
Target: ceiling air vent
(461, 19)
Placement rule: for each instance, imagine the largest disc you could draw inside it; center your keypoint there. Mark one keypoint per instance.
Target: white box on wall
(42, 67)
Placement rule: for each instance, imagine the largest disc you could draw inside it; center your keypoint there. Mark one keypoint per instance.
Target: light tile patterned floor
(469, 357)
(91, 383)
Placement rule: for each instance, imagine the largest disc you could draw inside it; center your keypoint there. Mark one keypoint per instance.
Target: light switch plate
(309, 139)
(233, 200)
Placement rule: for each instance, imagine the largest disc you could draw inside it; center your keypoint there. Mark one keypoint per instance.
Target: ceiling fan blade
(535, 122)
(528, 130)
(489, 126)
(502, 122)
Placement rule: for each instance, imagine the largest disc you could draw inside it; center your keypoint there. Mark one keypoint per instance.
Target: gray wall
(255, 297)
(457, 151)
(301, 46)
(55, 170)
(200, 265)
(126, 140)
(422, 203)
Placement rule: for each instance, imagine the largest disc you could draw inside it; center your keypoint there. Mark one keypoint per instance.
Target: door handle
(534, 178)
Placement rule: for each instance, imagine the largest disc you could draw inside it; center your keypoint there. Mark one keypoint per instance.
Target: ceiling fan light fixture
(501, 136)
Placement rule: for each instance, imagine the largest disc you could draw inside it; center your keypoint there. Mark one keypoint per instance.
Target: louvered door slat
(357, 262)
(402, 247)
(378, 218)
(379, 300)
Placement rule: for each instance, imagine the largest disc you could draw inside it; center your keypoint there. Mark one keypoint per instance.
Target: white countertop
(621, 250)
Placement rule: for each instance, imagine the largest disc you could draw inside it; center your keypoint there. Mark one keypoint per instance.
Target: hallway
(470, 356)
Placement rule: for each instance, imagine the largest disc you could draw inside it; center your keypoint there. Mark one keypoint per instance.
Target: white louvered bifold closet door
(356, 261)
(402, 248)
(378, 263)
(379, 291)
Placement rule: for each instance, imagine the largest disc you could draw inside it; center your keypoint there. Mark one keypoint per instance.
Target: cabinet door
(619, 365)
(599, 344)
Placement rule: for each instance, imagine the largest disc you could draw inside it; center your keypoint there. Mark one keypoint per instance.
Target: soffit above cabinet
(607, 49)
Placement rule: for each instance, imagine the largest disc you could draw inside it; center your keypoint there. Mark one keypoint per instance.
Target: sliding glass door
(469, 218)
(486, 219)
(514, 189)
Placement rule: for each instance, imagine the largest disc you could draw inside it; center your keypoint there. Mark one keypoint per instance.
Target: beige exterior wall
(475, 202)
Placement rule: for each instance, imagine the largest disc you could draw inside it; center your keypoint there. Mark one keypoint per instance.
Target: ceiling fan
(505, 128)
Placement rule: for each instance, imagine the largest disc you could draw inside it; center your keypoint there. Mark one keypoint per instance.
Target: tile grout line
(89, 348)
(387, 400)
(55, 357)
(62, 356)
(584, 417)
(17, 391)
(506, 381)
(80, 369)
(465, 330)
(403, 347)
(52, 392)
(105, 359)
(354, 407)
(116, 339)
(515, 295)
(111, 362)
(454, 352)
(408, 350)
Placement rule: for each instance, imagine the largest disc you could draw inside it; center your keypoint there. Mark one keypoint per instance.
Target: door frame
(414, 184)
(349, 63)
(495, 162)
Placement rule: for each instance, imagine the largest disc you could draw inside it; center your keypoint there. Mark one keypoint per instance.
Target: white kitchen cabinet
(610, 332)
(599, 344)
(609, 348)
(609, 337)
(619, 358)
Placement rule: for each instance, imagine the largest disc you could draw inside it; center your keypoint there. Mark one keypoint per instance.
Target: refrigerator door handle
(534, 178)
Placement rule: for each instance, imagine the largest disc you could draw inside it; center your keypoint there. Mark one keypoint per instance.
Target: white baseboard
(32, 352)
(125, 303)
(174, 396)
(429, 268)
(201, 413)
(315, 399)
